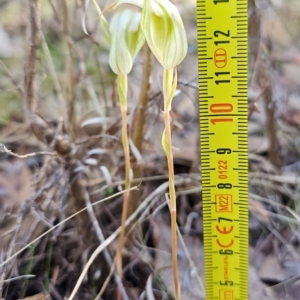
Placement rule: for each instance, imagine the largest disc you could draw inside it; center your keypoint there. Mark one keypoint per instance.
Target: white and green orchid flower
(124, 35)
(163, 29)
(159, 22)
(127, 40)
(165, 34)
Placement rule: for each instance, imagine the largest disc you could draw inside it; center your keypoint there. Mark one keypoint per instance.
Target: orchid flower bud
(127, 39)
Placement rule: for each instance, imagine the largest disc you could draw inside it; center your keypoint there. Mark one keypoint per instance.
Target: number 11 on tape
(222, 40)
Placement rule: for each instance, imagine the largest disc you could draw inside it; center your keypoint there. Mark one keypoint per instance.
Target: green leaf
(169, 85)
(165, 143)
(103, 21)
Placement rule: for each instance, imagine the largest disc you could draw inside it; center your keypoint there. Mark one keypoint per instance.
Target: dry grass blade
(192, 265)
(160, 190)
(57, 225)
(40, 296)
(139, 124)
(31, 58)
(53, 73)
(149, 291)
(296, 219)
(5, 150)
(83, 25)
(18, 277)
(101, 239)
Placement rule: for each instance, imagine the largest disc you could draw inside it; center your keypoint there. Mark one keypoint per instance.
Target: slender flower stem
(122, 91)
(168, 91)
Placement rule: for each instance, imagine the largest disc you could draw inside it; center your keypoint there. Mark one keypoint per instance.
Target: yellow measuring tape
(223, 98)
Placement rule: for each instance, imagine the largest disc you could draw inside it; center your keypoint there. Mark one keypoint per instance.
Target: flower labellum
(127, 39)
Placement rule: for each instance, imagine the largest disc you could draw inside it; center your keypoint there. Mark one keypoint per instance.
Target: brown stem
(267, 94)
(254, 34)
(271, 129)
(69, 70)
(139, 123)
(31, 58)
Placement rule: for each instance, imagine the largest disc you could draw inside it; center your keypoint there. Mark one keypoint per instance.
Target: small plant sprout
(126, 39)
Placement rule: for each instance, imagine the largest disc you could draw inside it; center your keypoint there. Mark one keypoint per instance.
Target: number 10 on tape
(222, 34)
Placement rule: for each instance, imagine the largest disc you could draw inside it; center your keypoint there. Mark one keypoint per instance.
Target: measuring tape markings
(223, 82)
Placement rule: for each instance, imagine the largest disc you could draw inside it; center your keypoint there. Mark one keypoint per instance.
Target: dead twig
(101, 239)
(159, 191)
(270, 108)
(3, 269)
(69, 69)
(253, 106)
(57, 86)
(18, 278)
(31, 58)
(139, 124)
(4, 149)
(57, 225)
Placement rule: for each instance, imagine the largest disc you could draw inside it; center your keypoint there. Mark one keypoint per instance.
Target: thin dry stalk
(31, 58)
(192, 265)
(26, 208)
(101, 239)
(17, 85)
(159, 191)
(9, 152)
(253, 33)
(102, 83)
(69, 69)
(4, 269)
(253, 106)
(57, 225)
(140, 121)
(18, 278)
(271, 128)
(53, 73)
(286, 179)
(265, 82)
